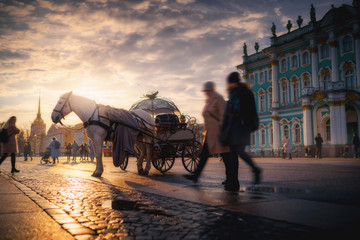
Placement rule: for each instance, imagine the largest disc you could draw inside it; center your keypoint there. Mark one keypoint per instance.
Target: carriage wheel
(191, 156)
(164, 164)
(123, 165)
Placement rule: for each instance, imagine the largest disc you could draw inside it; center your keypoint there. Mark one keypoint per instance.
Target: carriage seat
(165, 122)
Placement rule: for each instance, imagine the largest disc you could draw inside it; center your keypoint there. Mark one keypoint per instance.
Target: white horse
(87, 110)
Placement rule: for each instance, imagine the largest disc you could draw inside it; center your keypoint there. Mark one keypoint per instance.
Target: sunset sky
(115, 51)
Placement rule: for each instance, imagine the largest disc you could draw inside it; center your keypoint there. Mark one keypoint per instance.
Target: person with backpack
(68, 151)
(9, 143)
(75, 148)
(27, 151)
(240, 120)
(55, 149)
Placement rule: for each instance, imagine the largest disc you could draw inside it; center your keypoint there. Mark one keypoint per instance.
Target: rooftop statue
(245, 50)
(256, 47)
(312, 13)
(288, 26)
(299, 21)
(273, 29)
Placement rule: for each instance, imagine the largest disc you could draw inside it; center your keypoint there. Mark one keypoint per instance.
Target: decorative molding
(275, 118)
(314, 50)
(352, 96)
(333, 44)
(306, 107)
(274, 62)
(356, 35)
(318, 95)
(337, 103)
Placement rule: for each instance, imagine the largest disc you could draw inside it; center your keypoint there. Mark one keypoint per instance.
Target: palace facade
(308, 82)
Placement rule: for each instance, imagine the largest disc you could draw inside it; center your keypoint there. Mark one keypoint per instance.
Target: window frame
(322, 48)
(351, 44)
(304, 64)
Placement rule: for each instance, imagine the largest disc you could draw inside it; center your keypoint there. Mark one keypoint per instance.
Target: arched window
(271, 135)
(284, 93)
(269, 98)
(327, 130)
(324, 51)
(262, 137)
(296, 91)
(326, 80)
(261, 77)
(286, 131)
(262, 102)
(305, 58)
(347, 45)
(294, 62)
(270, 75)
(252, 79)
(349, 78)
(297, 133)
(306, 80)
(252, 138)
(283, 65)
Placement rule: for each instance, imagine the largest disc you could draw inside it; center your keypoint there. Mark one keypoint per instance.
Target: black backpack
(57, 145)
(4, 136)
(251, 118)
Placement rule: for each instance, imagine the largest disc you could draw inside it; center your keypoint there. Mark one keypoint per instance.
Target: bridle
(63, 106)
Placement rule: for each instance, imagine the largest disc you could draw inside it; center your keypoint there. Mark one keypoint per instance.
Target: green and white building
(308, 82)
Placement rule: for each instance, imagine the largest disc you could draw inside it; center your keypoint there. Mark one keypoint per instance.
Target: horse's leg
(148, 159)
(141, 158)
(97, 135)
(98, 154)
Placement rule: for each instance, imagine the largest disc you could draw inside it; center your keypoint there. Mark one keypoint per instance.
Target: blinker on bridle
(63, 106)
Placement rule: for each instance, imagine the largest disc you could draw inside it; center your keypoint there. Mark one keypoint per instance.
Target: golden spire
(38, 113)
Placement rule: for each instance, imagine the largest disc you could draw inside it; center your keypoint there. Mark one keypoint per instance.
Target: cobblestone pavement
(85, 209)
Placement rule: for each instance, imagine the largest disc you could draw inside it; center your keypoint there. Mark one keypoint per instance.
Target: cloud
(116, 51)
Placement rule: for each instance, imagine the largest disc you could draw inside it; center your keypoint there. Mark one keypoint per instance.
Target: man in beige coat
(213, 113)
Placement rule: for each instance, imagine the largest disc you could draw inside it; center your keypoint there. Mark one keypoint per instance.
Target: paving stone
(80, 211)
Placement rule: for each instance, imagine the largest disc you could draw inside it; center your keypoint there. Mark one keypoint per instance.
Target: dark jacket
(239, 114)
(356, 141)
(318, 141)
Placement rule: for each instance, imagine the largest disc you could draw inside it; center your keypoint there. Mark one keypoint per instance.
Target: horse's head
(62, 108)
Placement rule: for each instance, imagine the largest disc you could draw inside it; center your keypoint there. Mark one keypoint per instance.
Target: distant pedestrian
(356, 144)
(287, 147)
(82, 150)
(75, 148)
(319, 141)
(262, 153)
(68, 151)
(240, 120)
(86, 151)
(92, 152)
(55, 149)
(27, 151)
(213, 113)
(9, 143)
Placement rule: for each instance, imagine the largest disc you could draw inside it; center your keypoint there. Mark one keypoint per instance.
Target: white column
(338, 128)
(334, 57)
(275, 87)
(357, 52)
(314, 64)
(308, 136)
(276, 136)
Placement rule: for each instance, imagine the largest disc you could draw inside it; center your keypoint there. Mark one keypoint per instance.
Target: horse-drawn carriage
(174, 137)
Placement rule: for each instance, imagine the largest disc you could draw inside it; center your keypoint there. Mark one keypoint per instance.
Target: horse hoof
(140, 171)
(97, 174)
(145, 173)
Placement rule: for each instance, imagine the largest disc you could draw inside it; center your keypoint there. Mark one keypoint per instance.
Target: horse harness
(112, 125)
